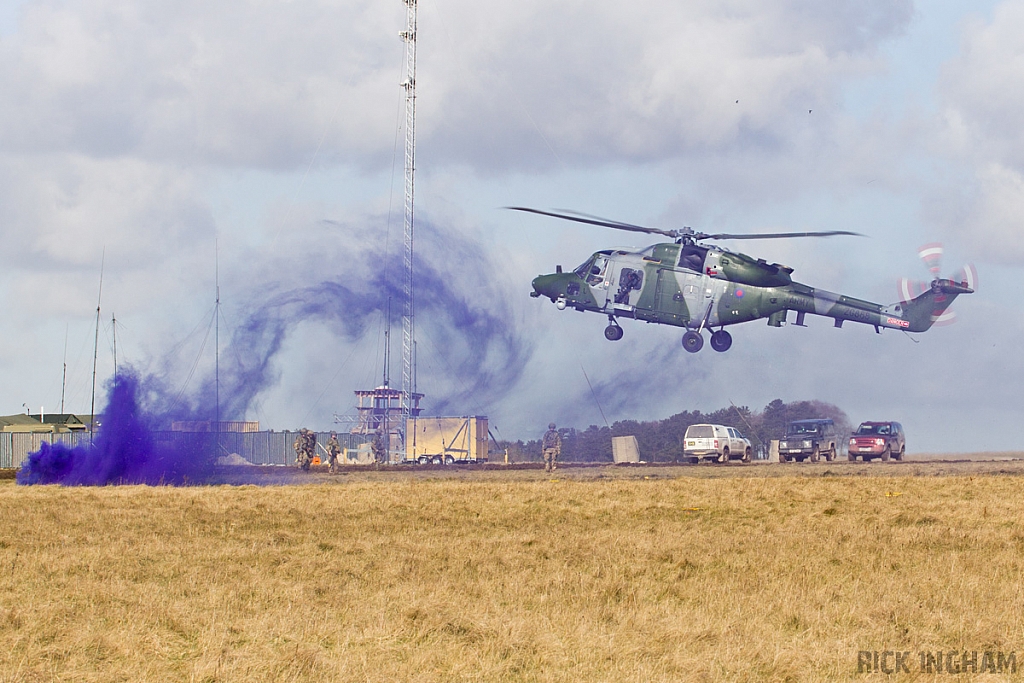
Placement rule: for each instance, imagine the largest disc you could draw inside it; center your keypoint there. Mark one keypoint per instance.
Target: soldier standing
(333, 451)
(310, 446)
(299, 446)
(377, 447)
(552, 445)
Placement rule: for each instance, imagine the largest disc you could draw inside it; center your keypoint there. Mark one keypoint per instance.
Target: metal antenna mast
(96, 351)
(216, 341)
(408, 317)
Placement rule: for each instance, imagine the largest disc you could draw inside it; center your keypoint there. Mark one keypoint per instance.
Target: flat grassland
(617, 575)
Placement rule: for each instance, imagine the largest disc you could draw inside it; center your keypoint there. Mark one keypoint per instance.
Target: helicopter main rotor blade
(595, 220)
(774, 235)
(684, 234)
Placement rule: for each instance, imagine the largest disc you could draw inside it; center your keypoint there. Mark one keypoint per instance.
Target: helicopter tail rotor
(940, 291)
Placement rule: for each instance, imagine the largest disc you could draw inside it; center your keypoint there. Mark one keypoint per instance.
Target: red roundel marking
(739, 293)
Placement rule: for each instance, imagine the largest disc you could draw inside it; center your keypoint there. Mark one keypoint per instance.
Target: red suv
(878, 439)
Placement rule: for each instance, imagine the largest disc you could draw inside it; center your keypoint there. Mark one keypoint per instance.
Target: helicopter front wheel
(721, 341)
(613, 332)
(692, 341)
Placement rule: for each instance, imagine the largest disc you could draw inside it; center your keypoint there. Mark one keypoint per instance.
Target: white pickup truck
(715, 442)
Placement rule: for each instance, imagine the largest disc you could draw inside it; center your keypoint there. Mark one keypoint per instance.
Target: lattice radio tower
(409, 314)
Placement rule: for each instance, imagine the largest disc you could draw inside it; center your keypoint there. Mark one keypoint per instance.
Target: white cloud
(62, 211)
(994, 214)
(647, 80)
(261, 84)
(233, 83)
(983, 88)
(982, 92)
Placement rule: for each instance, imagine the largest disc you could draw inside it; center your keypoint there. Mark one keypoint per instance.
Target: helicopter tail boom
(917, 315)
(928, 308)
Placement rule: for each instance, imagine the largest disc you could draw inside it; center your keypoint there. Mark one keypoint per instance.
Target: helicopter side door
(697, 266)
(713, 288)
(669, 302)
(626, 288)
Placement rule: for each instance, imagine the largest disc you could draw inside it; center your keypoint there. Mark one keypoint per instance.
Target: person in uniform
(300, 447)
(333, 451)
(552, 446)
(310, 447)
(377, 447)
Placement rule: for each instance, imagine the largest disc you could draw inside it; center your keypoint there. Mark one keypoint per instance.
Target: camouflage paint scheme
(695, 286)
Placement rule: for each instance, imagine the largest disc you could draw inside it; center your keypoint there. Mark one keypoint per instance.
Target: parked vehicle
(715, 442)
(809, 439)
(878, 440)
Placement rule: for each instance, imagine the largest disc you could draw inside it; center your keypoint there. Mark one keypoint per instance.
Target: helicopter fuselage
(696, 286)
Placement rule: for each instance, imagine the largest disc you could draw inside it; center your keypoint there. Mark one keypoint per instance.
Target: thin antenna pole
(113, 334)
(64, 381)
(387, 388)
(216, 343)
(96, 350)
(387, 344)
(416, 414)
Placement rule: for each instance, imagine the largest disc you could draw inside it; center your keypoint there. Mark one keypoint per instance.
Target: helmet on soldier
(551, 425)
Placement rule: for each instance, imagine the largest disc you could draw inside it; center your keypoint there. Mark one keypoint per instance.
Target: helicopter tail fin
(931, 307)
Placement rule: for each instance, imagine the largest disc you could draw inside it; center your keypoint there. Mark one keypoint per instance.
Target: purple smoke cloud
(466, 316)
(124, 451)
(472, 338)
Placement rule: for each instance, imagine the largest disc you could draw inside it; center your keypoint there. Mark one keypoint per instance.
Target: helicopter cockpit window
(593, 270)
(692, 257)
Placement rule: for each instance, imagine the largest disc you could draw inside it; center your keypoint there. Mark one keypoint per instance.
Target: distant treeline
(662, 440)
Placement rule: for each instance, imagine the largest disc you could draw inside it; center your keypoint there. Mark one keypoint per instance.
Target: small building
(625, 449)
(55, 423)
(447, 439)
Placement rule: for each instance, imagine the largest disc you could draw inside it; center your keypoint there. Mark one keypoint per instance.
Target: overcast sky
(161, 139)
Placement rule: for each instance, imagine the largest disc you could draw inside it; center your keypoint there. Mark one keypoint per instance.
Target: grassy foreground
(742, 579)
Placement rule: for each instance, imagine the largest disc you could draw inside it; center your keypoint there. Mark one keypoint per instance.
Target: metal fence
(259, 448)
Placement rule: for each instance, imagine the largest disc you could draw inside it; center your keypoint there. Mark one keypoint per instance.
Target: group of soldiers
(305, 449)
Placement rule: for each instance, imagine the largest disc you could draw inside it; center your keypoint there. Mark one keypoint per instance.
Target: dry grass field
(607, 575)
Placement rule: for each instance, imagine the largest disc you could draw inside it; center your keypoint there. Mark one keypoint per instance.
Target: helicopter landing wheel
(692, 341)
(721, 341)
(613, 332)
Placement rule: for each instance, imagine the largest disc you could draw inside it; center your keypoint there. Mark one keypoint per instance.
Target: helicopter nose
(546, 285)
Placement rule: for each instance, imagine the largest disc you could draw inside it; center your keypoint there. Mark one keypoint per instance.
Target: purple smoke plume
(124, 451)
(468, 319)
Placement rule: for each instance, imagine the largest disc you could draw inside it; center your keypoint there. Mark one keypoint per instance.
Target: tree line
(662, 440)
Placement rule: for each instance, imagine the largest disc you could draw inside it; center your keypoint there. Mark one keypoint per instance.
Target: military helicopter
(700, 287)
